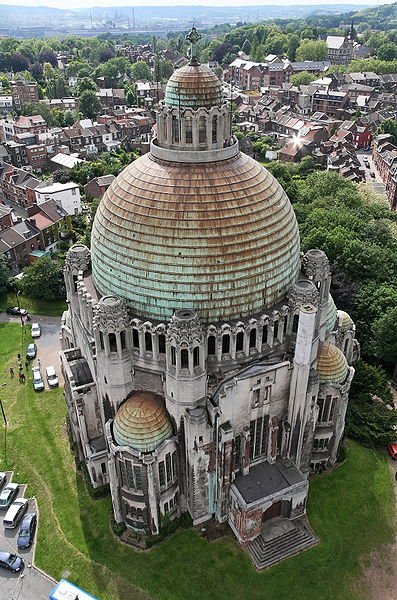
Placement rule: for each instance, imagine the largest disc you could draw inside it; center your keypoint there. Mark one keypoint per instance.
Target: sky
(114, 3)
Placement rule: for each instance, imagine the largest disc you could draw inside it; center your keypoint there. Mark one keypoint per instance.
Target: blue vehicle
(64, 589)
(12, 562)
(27, 531)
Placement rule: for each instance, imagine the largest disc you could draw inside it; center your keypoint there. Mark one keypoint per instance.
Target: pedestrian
(11, 371)
(28, 318)
(20, 367)
(39, 363)
(26, 365)
(20, 377)
(19, 357)
(23, 379)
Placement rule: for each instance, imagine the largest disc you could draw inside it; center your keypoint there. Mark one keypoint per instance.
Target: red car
(392, 450)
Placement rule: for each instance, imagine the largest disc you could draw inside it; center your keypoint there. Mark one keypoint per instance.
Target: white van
(52, 377)
(15, 513)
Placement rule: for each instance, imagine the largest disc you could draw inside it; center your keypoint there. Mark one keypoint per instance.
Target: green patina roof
(331, 314)
(221, 238)
(141, 423)
(193, 86)
(345, 321)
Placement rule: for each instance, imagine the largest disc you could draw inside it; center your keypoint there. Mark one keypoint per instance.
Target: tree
(385, 337)
(89, 104)
(130, 95)
(293, 44)
(60, 176)
(302, 78)
(370, 417)
(140, 70)
(246, 47)
(4, 273)
(387, 51)
(19, 62)
(44, 270)
(389, 126)
(164, 70)
(86, 83)
(47, 55)
(312, 50)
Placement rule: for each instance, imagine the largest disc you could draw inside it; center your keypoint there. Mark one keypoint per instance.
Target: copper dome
(141, 422)
(220, 238)
(332, 365)
(193, 86)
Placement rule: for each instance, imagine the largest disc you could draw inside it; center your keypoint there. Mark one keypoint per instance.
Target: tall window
(196, 356)
(135, 338)
(295, 324)
(173, 355)
(226, 344)
(202, 131)
(167, 469)
(161, 340)
(188, 130)
(148, 342)
(275, 335)
(252, 338)
(240, 341)
(211, 345)
(184, 359)
(326, 409)
(214, 129)
(112, 342)
(259, 433)
(175, 130)
(131, 475)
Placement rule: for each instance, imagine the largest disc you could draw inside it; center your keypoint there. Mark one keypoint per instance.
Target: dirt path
(380, 569)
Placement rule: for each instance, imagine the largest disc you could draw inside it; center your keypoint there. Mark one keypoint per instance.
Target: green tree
(370, 418)
(385, 337)
(302, 78)
(293, 44)
(89, 104)
(387, 51)
(389, 126)
(246, 47)
(44, 270)
(4, 273)
(312, 50)
(140, 70)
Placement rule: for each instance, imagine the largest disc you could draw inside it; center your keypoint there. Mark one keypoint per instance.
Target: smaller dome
(331, 314)
(332, 365)
(193, 86)
(345, 321)
(141, 422)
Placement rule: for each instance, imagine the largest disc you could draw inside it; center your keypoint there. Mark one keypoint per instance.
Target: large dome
(332, 365)
(141, 423)
(218, 237)
(193, 86)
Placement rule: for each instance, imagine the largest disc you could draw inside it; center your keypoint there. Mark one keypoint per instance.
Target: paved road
(375, 182)
(31, 584)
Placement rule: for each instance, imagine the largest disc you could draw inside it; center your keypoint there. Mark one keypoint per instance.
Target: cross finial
(193, 37)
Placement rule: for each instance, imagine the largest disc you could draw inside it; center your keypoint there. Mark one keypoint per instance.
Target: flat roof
(265, 479)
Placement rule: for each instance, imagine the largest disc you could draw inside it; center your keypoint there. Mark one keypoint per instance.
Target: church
(207, 368)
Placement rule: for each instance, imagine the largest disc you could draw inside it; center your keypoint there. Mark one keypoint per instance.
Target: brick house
(24, 93)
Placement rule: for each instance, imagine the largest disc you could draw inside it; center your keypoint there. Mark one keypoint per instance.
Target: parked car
(38, 383)
(15, 513)
(31, 351)
(392, 450)
(52, 377)
(35, 330)
(27, 531)
(15, 310)
(8, 494)
(3, 479)
(12, 562)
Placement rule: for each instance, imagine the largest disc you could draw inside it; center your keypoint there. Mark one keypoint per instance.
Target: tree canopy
(46, 270)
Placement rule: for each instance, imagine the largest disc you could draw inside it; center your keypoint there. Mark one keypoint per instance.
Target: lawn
(351, 510)
(35, 306)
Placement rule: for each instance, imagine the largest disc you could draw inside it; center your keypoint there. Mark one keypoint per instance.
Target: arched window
(148, 341)
(252, 338)
(112, 342)
(264, 335)
(122, 340)
(202, 131)
(184, 359)
(275, 335)
(173, 355)
(211, 345)
(226, 344)
(295, 324)
(240, 341)
(214, 129)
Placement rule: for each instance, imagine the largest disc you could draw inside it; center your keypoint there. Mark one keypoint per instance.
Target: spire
(193, 37)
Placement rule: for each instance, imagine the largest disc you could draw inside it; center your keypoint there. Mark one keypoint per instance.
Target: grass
(351, 510)
(35, 306)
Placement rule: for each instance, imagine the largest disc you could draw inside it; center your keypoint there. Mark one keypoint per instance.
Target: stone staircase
(267, 550)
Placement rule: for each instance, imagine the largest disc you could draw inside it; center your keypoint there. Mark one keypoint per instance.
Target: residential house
(6, 105)
(98, 186)
(66, 196)
(340, 49)
(24, 93)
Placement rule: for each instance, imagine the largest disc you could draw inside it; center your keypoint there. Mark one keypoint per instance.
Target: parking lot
(30, 584)
(47, 346)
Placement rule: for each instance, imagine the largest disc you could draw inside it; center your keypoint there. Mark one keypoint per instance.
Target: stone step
(266, 553)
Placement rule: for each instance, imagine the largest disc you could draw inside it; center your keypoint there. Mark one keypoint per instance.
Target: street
(375, 182)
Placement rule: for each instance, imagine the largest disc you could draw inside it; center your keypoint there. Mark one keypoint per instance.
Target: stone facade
(222, 418)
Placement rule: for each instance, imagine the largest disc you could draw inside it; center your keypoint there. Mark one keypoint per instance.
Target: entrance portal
(273, 511)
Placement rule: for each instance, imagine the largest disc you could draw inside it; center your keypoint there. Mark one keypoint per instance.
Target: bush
(117, 528)
(169, 526)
